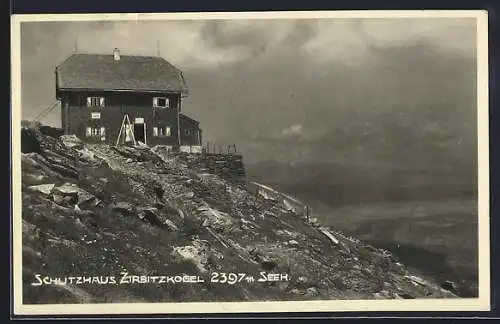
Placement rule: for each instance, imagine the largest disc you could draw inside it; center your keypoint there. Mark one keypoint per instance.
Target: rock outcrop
(103, 211)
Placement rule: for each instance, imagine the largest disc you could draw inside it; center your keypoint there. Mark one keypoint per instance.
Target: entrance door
(140, 130)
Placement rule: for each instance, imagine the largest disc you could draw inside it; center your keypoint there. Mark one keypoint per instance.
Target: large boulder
(450, 286)
(71, 141)
(67, 199)
(43, 188)
(70, 195)
(124, 207)
(197, 253)
(30, 141)
(154, 217)
(72, 189)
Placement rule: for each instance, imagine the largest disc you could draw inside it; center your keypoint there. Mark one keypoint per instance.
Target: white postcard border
(482, 303)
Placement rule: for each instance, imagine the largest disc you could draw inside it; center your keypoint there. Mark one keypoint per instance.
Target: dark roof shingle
(135, 73)
(189, 119)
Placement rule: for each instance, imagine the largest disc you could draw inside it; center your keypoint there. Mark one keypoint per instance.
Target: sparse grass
(107, 241)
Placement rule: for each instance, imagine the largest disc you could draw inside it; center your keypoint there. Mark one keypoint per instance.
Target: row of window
(158, 102)
(162, 131)
(167, 131)
(100, 132)
(96, 132)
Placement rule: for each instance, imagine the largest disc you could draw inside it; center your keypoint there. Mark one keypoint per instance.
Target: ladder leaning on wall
(126, 132)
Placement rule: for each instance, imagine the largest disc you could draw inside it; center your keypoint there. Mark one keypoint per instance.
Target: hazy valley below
(427, 218)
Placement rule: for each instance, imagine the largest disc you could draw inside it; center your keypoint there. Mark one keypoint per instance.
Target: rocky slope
(121, 224)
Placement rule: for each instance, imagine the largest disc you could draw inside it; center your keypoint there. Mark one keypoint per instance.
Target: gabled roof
(189, 119)
(132, 73)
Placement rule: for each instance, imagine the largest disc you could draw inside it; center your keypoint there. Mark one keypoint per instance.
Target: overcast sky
(294, 89)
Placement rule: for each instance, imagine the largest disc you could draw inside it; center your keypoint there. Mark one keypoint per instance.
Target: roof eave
(182, 92)
(190, 119)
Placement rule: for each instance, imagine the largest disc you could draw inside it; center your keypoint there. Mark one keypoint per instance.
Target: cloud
(250, 80)
(209, 44)
(353, 41)
(293, 130)
(191, 44)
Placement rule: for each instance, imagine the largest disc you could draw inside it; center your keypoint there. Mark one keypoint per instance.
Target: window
(95, 115)
(95, 101)
(96, 132)
(161, 102)
(162, 131)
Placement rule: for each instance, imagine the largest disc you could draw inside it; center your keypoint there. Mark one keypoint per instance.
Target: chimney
(116, 54)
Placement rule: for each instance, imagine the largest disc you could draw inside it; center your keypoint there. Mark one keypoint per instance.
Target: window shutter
(155, 102)
(88, 131)
(167, 131)
(167, 103)
(101, 102)
(155, 131)
(89, 101)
